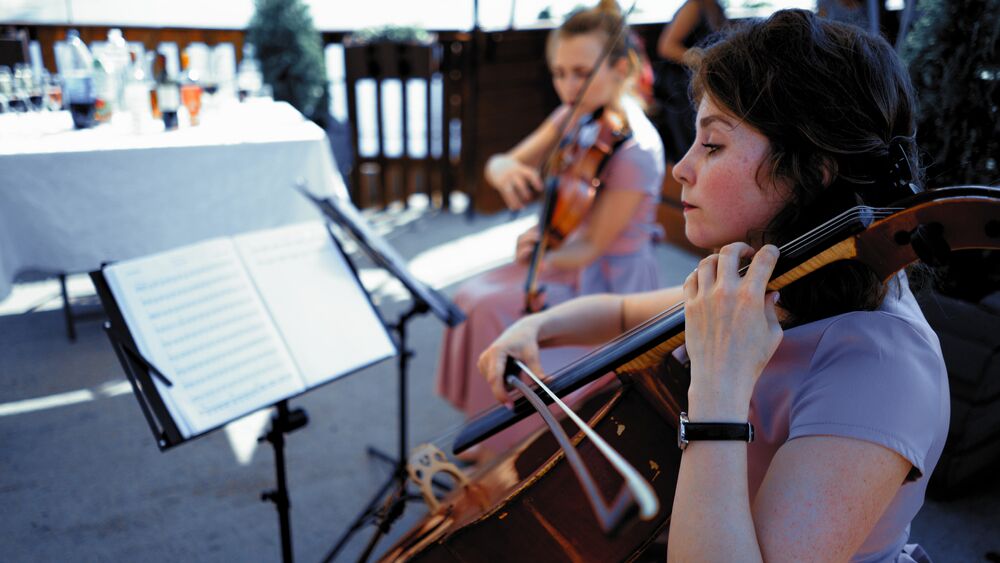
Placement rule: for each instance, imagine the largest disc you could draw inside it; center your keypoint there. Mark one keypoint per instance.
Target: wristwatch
(688, 431)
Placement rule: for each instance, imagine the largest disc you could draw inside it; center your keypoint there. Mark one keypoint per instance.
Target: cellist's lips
(687, 206)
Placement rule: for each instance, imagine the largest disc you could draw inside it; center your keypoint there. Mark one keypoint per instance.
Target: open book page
(317, 303)
(197, 317)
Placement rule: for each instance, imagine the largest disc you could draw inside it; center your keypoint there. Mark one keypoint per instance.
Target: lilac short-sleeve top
(876, 376)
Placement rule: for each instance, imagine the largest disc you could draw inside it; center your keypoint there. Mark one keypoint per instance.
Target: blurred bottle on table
(19, 101)
(224, 72)
(117, 63)
(190, 89)
(137, 96)
(78, 81)
(201, 68)
(104, 92)
(168, 93)
(249, 78)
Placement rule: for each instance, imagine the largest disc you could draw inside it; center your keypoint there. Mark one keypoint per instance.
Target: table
(72, 200)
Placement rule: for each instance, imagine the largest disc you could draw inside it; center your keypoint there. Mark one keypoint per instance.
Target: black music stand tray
(346, 216)
(140, 373)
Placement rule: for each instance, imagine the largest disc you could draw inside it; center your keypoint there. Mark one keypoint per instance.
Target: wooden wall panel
(514, 95)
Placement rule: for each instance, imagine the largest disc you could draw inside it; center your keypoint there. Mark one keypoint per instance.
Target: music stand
(144, 378)
(342, 213)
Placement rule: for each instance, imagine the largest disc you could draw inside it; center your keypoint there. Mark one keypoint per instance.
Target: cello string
(827, 228)
(790, 248)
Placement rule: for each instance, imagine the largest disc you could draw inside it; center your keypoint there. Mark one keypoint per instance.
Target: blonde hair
(606, 18)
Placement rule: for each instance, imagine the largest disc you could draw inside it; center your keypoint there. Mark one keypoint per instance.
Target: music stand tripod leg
(67, 309)
(398, 475)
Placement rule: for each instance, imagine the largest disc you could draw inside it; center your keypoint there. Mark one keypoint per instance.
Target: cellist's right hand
(520, 341)
(517, 183)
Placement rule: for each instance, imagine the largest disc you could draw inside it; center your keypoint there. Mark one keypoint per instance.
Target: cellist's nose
(683, 171)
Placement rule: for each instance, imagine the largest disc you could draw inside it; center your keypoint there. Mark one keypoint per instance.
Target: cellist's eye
(712, 147)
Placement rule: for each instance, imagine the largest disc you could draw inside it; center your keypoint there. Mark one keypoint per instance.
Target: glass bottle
(168, 95)
(117, 63)
(248, 77)
(137, 98)
(79, 81)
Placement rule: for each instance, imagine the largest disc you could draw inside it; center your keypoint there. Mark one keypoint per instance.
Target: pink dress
(492, 301)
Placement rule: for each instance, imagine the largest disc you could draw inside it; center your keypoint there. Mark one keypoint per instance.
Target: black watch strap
(688, 431)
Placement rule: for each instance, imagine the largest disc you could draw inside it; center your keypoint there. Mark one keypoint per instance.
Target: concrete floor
(82, 479)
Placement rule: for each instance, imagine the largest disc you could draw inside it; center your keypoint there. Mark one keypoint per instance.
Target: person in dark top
(694, 22)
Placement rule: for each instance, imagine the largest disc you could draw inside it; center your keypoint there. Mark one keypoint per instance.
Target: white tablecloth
(70, 200)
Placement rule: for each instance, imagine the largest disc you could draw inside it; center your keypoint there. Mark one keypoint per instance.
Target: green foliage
(392, 34)
(952, 55)
(290, 51)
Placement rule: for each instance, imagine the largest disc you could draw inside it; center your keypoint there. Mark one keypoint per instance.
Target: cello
(525, 506)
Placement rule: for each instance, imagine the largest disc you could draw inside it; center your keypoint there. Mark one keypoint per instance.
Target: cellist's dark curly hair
(830, 98)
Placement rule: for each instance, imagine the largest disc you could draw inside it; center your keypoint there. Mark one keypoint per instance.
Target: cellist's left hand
(732, 330)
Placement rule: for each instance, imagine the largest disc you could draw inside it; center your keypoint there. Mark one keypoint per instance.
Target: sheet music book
(343, 213)
(237, 324)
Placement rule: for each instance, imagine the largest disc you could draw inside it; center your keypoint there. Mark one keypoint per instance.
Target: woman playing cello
(611, 252)
(840, 376)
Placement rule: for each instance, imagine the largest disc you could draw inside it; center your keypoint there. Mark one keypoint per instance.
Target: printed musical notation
(238, 324)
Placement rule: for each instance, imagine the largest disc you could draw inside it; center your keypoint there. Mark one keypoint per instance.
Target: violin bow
(531, 288)
(636, 491)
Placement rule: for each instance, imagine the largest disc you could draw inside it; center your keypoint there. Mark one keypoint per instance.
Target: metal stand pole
(394, 504)
(283, 422)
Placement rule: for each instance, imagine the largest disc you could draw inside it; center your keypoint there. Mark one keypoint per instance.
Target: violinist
(840, 375)
(610, 252)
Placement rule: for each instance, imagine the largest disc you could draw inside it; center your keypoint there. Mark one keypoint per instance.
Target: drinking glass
(191, 98)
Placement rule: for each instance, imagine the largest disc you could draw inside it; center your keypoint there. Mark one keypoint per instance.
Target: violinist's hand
(516, 182)
(520, 341)
(732, 331)
(526, 242)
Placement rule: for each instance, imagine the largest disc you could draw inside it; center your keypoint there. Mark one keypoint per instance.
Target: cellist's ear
(829, 169)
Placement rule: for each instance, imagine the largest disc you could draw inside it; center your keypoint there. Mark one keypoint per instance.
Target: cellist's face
(725, 196)
(572, 60)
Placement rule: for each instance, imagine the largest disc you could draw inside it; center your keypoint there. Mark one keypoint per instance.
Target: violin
(577, 161)
(572, 186)
(526, 506)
